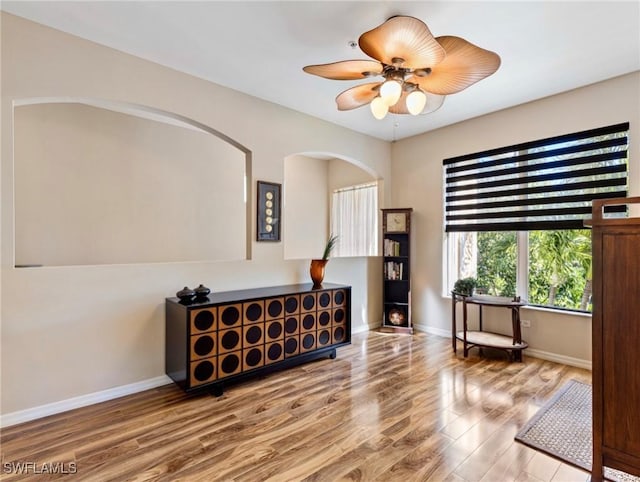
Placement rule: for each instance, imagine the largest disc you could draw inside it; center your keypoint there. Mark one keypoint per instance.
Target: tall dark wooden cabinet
(396, 269)
(616, 340)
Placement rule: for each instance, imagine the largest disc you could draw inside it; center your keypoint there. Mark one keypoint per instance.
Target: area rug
(562, 428)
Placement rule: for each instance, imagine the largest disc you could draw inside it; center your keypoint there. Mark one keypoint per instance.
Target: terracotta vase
(317, 271)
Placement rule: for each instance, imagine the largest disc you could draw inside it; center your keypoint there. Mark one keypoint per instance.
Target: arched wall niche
(102, 182)
(309, 179)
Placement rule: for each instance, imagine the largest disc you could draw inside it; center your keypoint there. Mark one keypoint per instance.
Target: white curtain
(354, 218)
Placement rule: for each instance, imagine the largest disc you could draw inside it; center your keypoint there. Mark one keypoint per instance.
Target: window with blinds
(541, 185)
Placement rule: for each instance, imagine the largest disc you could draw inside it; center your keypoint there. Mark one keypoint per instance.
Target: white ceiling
(260, 47)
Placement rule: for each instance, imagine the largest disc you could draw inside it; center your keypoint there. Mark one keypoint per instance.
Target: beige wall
(343, 174)
(94, 186)
(417, 182)
(308, 186)
(72, 331)
(305, 206)
(310, 180)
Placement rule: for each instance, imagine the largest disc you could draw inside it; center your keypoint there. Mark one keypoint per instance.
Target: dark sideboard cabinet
(230, 336)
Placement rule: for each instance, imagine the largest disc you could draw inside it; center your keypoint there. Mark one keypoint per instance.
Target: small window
(354, 219)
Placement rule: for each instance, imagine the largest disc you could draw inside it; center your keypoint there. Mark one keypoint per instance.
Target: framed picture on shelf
(268, 215)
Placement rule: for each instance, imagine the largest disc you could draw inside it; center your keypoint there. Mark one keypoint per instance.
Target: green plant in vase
(317, 265)
(331, 243)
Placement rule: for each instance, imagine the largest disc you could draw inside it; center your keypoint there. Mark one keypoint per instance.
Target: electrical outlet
(525, 323)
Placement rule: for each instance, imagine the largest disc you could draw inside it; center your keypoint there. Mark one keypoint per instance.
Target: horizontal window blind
(538, 185)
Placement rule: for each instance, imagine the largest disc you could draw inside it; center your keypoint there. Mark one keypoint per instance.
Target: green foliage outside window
(497, 256)
(559, 267)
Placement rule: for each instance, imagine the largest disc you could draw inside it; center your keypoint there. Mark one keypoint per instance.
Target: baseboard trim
(361, 329)
(34, 413)
(535, 353)
(554, 357)
(432, 330)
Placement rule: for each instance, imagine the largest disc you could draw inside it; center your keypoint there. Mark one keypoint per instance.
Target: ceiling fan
(418, 69)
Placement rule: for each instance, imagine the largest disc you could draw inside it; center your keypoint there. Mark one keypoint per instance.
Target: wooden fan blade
(357, 96)
(434, 102)
(346, 69)
(464, 65)
(404, 38)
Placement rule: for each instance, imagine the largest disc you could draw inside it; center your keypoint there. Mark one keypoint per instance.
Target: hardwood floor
(389, 407)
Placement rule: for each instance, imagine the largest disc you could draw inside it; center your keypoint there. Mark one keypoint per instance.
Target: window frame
(522, 273)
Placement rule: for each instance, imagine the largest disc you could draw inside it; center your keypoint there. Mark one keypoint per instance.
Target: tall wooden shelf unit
(396, 269)
(616, 340)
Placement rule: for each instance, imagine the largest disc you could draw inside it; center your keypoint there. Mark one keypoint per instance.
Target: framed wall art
(269, 219)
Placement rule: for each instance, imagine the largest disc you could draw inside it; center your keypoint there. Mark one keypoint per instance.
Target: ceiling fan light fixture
(379, 108)
(418, 70)
(390, 92)
(416, 101)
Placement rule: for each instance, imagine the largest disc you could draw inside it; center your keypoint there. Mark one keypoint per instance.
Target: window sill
(580, 314)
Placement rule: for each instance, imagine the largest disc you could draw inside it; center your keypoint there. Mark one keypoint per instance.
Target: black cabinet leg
(216, 390)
